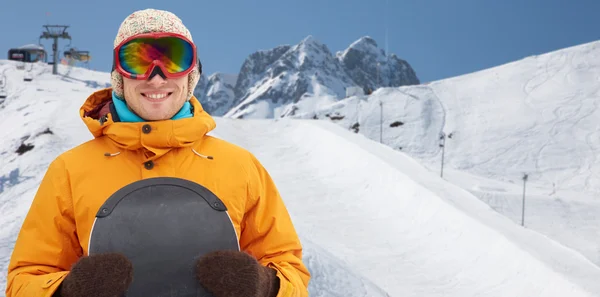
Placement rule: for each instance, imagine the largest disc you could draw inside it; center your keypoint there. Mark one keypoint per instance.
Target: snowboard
(163, 225)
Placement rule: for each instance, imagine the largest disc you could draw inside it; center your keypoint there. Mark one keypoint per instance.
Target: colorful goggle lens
(138, 55)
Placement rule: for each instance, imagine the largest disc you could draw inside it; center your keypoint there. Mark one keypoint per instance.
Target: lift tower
(55, 32)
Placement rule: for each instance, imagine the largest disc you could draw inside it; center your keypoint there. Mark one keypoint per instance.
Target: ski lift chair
(45, 58)
(77, 55)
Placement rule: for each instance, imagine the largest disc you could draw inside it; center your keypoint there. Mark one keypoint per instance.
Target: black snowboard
(163, 225)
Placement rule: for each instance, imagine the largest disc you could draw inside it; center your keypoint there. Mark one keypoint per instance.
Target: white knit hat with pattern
(146, 21)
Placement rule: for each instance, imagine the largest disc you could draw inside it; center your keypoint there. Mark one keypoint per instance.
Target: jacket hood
(156, 137)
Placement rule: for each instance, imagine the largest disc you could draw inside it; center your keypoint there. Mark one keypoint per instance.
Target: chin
(157, 117)
(155, 111)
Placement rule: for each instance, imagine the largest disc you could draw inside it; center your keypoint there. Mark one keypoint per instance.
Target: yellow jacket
(56, 230)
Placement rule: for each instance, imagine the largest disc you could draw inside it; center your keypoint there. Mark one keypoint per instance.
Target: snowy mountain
(270, 82)
(537, 116)
(371, 68)
(373, 220)
(217, 92)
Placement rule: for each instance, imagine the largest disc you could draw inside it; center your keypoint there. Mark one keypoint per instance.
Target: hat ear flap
(117, 84)
(193, 78)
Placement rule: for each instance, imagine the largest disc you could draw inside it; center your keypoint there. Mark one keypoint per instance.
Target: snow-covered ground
(374, 220)
(44, 114)
(538, 116)
(399, 224)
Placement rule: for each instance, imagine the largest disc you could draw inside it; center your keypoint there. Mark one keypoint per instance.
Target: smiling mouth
(157, 96)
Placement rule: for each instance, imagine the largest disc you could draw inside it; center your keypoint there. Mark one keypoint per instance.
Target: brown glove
(236, 274)
(102, 275)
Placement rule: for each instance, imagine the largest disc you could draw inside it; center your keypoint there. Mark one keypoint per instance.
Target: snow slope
(567, 217)
(400, 225)
(43, 113)
(373, 220)
(537, 116)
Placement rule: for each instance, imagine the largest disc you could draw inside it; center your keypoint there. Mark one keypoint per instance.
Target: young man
(149, 126)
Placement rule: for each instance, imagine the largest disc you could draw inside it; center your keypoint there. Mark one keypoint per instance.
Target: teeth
(156, 96)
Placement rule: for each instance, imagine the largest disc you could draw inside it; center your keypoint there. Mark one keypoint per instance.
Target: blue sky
(439, 38)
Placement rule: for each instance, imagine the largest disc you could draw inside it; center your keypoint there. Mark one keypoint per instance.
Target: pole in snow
(380, 122)
(443, 146)
(525, 176)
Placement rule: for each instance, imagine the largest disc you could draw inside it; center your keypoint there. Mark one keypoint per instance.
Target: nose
(157, 81)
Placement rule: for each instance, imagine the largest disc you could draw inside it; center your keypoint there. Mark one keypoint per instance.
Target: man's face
(155, 99)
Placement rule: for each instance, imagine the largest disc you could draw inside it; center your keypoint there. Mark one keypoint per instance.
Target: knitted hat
(146, 21)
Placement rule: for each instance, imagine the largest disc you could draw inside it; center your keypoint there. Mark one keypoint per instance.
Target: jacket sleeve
(268, 234)
(47, 244)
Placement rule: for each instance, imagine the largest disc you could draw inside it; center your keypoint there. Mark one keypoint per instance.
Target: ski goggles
(140, 56)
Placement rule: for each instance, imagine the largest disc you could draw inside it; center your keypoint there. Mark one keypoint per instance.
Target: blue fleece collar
(126, 115)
